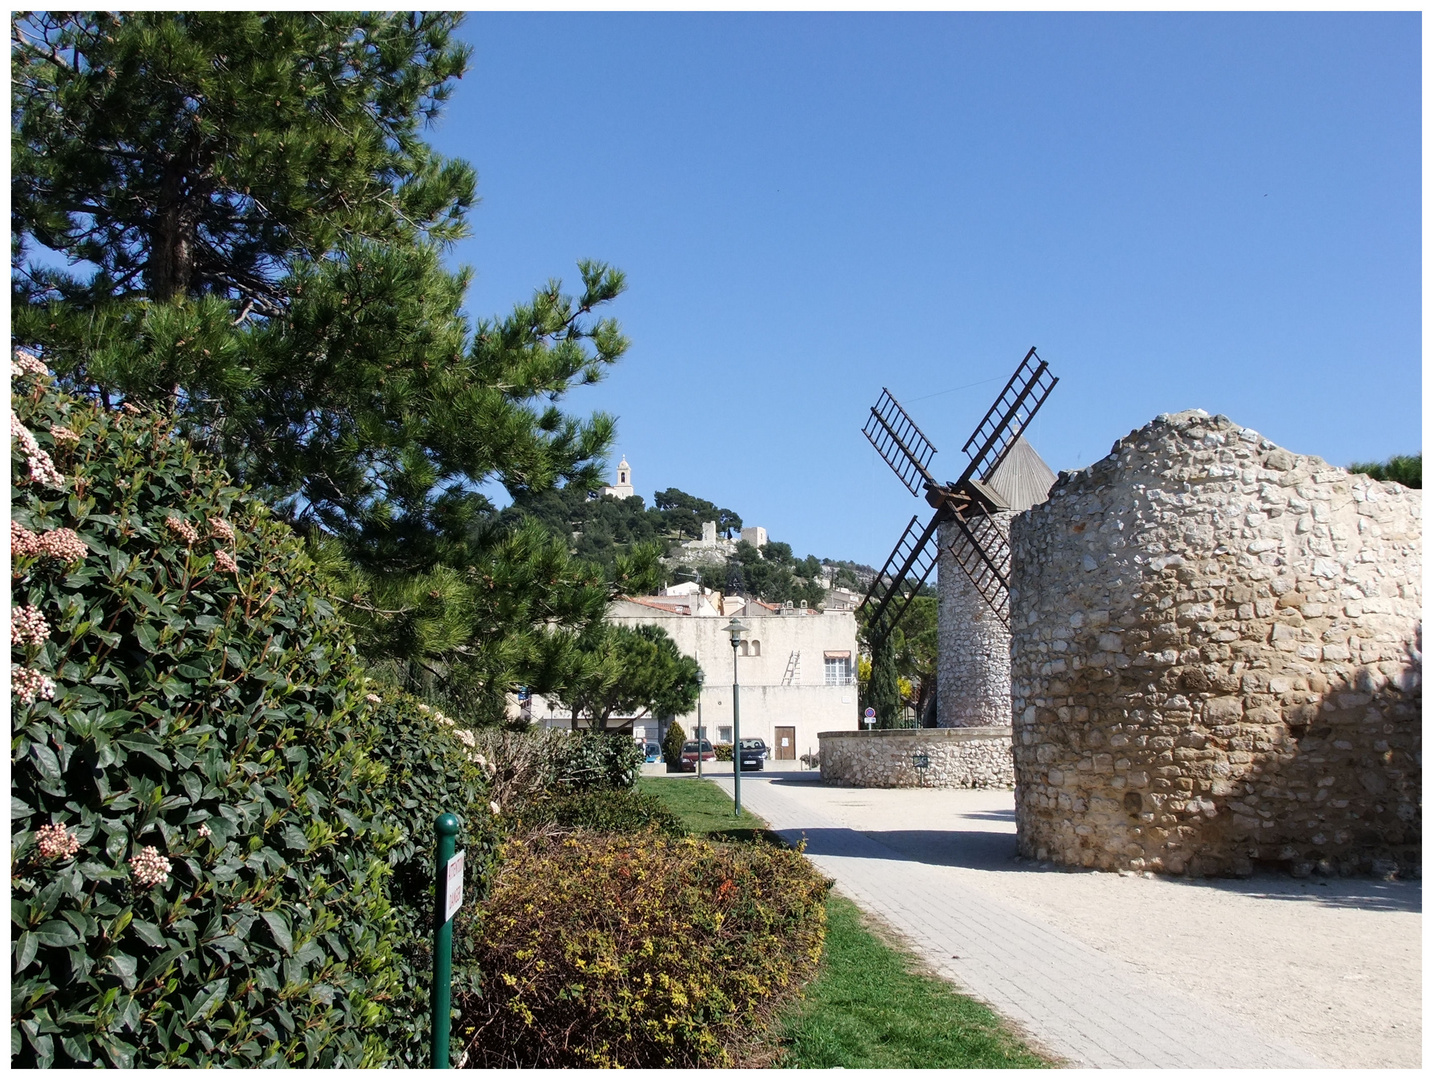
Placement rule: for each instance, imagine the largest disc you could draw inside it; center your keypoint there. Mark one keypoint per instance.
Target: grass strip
(869, 1007)
(704, 809)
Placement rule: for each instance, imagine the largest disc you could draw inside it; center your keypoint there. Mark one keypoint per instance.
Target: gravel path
(1323, 971)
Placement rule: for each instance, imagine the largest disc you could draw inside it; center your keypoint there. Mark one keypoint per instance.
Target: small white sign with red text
(453, 893)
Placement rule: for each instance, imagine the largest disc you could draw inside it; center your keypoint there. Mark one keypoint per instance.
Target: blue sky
(1217, 211)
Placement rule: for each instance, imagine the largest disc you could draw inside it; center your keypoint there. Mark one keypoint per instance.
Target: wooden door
(786, 744)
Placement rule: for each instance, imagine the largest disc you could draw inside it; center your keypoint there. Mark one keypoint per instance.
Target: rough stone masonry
(1216, 660)
(973, 670)
(965, 757)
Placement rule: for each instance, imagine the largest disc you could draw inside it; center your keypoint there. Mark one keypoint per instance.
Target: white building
(623, 488)
(797, 668)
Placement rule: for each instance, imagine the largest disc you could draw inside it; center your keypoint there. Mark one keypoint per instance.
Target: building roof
(1023, 479)
(661, 603)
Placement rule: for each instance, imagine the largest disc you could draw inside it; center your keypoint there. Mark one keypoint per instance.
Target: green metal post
(736, 728)
(446, 828)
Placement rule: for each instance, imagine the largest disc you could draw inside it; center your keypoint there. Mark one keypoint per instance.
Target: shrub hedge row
(639, 950)
(620, 811)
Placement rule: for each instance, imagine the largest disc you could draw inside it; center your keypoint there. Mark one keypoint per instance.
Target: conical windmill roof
(1023, 479)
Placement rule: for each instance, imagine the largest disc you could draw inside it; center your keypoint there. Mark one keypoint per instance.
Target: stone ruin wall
(973, 672)
(1216, 661)
(959, 758)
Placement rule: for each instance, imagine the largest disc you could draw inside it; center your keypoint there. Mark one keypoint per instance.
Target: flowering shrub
(29, 685)
(42, 469)
(55, 842)
(28, 626)
(201, 841)
(150, 867)
(608, 950)
(63, 545)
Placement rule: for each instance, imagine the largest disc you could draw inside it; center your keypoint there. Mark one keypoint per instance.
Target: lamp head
(736, 629)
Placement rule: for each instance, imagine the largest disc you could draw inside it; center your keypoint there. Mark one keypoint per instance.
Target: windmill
(970, 524)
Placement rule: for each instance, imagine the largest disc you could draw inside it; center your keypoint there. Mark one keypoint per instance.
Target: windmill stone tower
(968, 536)
(973, 670)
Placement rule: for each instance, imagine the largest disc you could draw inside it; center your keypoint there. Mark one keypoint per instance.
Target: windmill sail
(903, 445)
(1004, 474)
(912, 559)
(981, 550)
(1008, 417)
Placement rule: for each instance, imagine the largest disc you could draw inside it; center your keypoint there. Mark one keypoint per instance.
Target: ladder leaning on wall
(793, 669)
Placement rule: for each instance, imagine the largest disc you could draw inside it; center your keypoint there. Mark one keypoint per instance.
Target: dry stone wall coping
(969, 757)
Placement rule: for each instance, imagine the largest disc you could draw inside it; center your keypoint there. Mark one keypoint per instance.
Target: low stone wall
(969, 757)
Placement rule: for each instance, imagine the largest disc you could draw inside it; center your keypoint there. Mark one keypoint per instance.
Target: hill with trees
(604, 529)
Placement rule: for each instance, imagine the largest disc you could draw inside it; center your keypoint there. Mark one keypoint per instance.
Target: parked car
(690, 752)
(753, 753)
(654, 752)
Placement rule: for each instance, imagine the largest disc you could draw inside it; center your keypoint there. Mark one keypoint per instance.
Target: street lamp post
(701, 677)
(735, 629)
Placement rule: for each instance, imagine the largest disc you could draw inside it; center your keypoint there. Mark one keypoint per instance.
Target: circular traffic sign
(870, 713)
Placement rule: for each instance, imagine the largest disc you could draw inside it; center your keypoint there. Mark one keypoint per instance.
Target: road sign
(870, 713)
(453, 894)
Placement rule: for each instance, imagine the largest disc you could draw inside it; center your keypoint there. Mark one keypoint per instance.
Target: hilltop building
(623, 488)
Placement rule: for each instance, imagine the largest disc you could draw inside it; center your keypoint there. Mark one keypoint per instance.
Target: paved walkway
(1092, 1008)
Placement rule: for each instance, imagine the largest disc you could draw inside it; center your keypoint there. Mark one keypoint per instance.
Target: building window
(838, 669)
(723, 734)
(756, 648)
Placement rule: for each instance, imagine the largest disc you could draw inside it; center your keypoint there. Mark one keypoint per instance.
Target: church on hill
(622, 489)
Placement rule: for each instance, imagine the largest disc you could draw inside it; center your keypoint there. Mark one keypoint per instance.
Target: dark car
(753, 754)
(689, 755)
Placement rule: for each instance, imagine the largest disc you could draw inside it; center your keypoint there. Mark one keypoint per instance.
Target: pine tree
(1406, 469)
(629, 671)
(233, 216)
(254, 231)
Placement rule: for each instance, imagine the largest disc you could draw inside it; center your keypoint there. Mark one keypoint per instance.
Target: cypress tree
(885, 691)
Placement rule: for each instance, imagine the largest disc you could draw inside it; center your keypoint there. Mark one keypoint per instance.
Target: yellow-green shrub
(637, 950)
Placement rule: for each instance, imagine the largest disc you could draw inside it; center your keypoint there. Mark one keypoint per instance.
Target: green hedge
(206, 752)
(431, 769)
(533, 764)
(621, 811)
(639, 950)
(221, 833)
